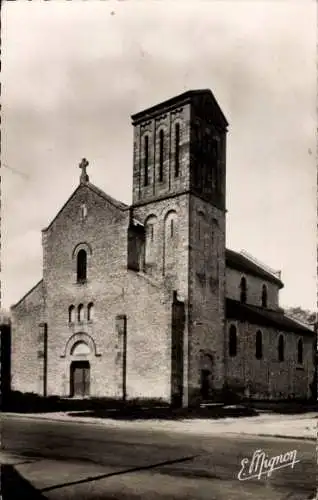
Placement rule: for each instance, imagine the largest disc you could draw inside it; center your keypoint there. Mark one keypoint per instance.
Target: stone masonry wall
(170, 184)
(206, 296)
(254, 289)
(268, 377)
(175, 261)
(114, 291)
(26, 365)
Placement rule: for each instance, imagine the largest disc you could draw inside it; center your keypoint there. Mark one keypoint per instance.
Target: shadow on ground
(14, 486)
(118, 409)
(149, 409)
(135, 413)
(208, 411)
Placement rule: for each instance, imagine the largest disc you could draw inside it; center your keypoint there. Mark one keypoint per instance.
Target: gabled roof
(107, 197)
(264, 317)
(39, 283)
(96, 190)
(178, 100)
(240, 262)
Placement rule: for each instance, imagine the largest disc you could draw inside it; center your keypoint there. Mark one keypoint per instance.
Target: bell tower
(180, 145)
(179, 187)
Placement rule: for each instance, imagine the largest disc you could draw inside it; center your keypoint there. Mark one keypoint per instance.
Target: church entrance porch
(81, 356)
(80, 379)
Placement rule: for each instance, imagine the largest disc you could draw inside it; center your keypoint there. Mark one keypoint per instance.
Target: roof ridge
(240, 260)
(26, 294)
(96, 190)
(297, 320)
(235, 309)
(247, 255)
(103, 194)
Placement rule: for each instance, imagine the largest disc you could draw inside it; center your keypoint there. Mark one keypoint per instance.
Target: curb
(281, 436)
(115, 424)
(49, 419)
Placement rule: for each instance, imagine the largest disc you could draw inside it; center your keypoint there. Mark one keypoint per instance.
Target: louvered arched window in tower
(146, 160)
(161, 154)
(177, 150)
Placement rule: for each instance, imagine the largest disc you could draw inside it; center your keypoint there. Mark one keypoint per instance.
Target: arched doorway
(81, 356)
(80, 370)
(80, 379)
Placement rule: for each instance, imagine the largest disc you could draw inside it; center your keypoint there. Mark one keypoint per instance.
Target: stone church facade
(145, 301)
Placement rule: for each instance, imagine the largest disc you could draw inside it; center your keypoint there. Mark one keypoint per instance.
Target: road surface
(66, 460)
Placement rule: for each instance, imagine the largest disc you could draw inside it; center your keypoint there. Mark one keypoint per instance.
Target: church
(145, 301)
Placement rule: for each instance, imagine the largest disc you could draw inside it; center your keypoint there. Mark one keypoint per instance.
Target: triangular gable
(112, 201)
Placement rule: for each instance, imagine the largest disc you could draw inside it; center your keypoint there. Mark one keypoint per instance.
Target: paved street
(63, 460)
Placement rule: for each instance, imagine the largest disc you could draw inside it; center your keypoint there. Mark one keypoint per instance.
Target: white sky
(74, 72)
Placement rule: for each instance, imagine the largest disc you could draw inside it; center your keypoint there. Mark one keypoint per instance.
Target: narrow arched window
(150, 232)
(150, 252)
(90, 311)
(171, 228)
(259, 345)
(264, 296)
(243, 287)
(281, 348)
(300, 352)
(177, 150)
(71, 314)
(146, 161)
(81, 266)
(232, 341)
(161, 155)
(201, 225)
(83, 211)
(214, 166)
(170, 243)
(80, 313)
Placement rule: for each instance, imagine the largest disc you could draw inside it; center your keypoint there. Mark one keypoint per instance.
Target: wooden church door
(80, 379)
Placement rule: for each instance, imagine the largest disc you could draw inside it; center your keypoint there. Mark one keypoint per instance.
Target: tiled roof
(264, 317)
(238, 261)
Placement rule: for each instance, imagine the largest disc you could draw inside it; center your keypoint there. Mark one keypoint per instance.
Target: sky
(74, 72)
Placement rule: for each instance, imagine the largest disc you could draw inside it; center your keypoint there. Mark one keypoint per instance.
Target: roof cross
(83, 165)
